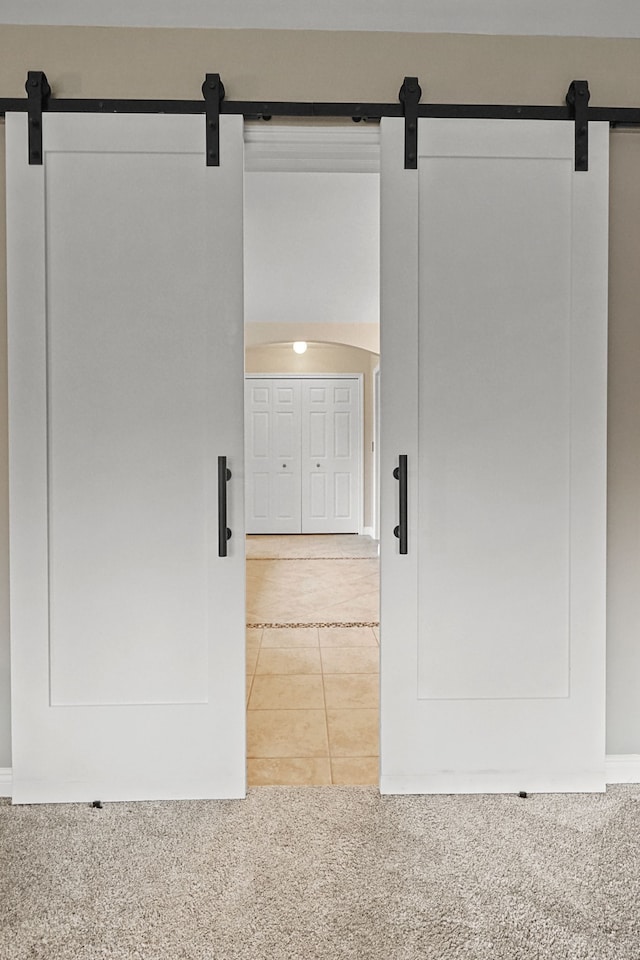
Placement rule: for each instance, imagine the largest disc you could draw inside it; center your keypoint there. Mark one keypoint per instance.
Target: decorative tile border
(312, 558)
(316, 623)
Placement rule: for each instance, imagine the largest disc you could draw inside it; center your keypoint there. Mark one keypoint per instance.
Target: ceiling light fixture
(300, 346)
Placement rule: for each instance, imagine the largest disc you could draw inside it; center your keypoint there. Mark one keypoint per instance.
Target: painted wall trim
(622, 768)
(287, 148)
(6, 781)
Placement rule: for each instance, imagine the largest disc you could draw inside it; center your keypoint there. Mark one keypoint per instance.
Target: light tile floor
(312, 690)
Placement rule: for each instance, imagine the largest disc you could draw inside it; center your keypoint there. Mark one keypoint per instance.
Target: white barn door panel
(494, 337)
(126, 385)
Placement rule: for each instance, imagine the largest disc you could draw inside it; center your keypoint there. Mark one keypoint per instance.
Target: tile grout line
(326, 718)
(253, 675)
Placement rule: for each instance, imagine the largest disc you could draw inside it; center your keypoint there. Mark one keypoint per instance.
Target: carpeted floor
(338, 872)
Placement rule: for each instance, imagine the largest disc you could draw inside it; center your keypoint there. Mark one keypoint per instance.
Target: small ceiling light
(300, 346)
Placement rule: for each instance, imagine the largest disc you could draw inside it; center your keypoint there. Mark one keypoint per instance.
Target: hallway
(312, 660)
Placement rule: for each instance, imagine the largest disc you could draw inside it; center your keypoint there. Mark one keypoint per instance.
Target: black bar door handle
(400, 473)
(224, 534)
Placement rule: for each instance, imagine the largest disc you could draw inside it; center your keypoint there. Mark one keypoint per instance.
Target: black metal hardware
(213, 105)
(578, 99)
(38, 93)
(401, 531)
(410, 93)
(224, 534)
(213, 93)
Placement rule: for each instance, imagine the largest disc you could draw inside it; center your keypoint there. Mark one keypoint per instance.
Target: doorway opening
(312, 278)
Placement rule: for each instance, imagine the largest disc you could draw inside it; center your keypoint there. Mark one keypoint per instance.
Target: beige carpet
(324, 873)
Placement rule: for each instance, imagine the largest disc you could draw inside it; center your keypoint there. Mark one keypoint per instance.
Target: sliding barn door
(494, 344)
(126, 386)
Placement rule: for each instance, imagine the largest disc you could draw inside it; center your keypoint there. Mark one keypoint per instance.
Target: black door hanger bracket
(213, 93)
(578, 100)
(213, 104)
(410, 93)
(38, 93)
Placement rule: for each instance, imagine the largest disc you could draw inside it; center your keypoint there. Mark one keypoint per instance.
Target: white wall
(312, 248)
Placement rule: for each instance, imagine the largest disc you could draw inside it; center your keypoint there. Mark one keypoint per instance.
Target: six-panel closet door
(273, 451)
(303, 454)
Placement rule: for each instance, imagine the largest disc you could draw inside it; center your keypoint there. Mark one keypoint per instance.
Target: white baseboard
(367, 532)
(619, 768)
(622, 768)
(5, 781)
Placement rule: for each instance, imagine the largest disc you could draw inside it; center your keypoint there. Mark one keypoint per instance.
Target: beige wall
(299, 65)
(623, 552)
(327, 358)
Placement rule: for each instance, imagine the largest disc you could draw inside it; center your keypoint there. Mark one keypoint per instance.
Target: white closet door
(331, 456)
(494, 338)
(272, 414)
(126, 385)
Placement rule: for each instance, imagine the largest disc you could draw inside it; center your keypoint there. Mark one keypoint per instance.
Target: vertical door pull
(224, 534)
(400, 473)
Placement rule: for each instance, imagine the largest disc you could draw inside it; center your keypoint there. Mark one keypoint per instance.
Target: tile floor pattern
(312, 591)
(312, 705)
(312, 691)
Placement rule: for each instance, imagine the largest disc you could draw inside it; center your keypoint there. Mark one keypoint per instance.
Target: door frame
(328, 376)
(375, 492)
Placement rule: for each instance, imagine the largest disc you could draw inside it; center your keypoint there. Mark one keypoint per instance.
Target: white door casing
(126, 384)
(375, 498)
(272, 445)
(494, 338)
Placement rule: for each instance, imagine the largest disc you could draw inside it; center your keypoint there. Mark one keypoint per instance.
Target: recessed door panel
(286, 497)
(259, 435)
(342, 495)
(318, 496)
(342, 434)
(495, 469)
(286, 434)
(317, 434)
(258, 495)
